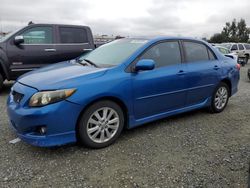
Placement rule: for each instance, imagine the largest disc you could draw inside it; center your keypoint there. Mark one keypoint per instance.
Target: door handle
(50, 50)
(216, 67)
(87, 49)
(181, 72)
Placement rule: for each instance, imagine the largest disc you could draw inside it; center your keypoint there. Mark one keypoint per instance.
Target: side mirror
(144, 64)
(18, 39)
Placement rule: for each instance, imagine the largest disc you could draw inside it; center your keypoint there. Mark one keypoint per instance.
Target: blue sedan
(122, 84)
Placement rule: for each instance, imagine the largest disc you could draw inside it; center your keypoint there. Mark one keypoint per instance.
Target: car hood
(61, 75)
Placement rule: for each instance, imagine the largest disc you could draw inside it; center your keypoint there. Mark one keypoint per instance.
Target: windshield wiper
(91, 62)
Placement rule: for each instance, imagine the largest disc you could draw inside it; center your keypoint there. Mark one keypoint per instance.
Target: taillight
(238, 66)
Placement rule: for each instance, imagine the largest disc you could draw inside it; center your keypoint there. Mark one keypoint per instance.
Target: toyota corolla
(122, 84)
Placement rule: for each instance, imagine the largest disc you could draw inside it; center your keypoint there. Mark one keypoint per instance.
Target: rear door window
(195, 52)
(247, 46)
(71, 35)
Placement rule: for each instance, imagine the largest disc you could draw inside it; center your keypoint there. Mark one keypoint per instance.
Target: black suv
(37, 45)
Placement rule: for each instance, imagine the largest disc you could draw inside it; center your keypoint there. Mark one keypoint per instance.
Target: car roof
(159, 38)
(51, 24)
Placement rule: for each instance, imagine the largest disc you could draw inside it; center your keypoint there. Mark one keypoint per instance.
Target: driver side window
(164, 54)
(38, 35)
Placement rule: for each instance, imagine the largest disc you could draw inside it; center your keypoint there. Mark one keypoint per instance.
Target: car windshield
(113, 53)
(8, 35)
(223, 50)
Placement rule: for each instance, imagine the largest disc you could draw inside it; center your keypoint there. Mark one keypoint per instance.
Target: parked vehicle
(122, 84)
(227, 52)
(243, 51)
(37, 45)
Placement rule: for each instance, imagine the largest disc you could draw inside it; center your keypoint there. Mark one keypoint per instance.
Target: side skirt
(137, 122)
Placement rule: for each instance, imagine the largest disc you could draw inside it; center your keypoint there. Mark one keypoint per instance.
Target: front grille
(17, 96)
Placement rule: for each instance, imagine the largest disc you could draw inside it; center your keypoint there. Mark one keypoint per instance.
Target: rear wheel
(101, 124)
(247, 58)
(1, 82)
(220, 98)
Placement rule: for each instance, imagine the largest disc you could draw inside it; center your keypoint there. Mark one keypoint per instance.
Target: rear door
(162, 89)
(72, 41)
(36, 51)
(203, 72)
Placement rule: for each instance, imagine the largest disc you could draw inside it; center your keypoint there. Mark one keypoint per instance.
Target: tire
(248, 74)
(219, 98)
(1, 82)
(246, 60)
(92, 131)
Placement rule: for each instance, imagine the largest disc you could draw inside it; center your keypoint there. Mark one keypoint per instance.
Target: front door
(164, 88)
(37, 50)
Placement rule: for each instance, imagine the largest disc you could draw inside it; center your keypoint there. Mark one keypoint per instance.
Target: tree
(243, 31)
(217, 38)
(232, 32)
(226, 31)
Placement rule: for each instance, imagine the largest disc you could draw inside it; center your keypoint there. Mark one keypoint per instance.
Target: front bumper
(60, 119)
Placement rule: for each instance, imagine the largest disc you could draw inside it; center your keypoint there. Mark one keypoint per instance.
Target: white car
(242, 49)
(227, 52)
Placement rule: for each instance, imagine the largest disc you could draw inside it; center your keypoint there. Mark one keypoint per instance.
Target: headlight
(48, 97)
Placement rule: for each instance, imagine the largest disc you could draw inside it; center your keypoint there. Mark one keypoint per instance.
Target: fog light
(42, 130)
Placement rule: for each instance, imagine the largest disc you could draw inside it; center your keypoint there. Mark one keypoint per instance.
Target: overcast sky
(196, 18)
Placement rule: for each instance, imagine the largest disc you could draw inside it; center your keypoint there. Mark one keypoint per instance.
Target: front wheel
(246, 59)
(101, 124)
(220, 98)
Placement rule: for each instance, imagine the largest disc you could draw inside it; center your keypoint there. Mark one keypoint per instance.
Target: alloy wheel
(103, 125)
(221, 97)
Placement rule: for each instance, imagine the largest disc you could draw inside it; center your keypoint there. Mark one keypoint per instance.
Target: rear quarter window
(247, 46)
(73, 35)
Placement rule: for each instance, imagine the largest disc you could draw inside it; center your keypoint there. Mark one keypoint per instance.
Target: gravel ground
(195, 149)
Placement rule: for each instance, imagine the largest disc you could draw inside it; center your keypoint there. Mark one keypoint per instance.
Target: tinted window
(73, 35)
(167, 53)
(195, 52)
(38, 35)
(247, 46)
(241, 47)
(234, 47)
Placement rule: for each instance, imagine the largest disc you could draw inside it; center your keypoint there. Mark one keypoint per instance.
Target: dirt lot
(195, 149)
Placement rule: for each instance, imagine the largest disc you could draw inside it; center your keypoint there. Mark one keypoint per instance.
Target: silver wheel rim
(221, 98)
(103, 125)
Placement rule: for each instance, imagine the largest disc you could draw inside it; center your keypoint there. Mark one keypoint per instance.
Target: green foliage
(232, 32)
